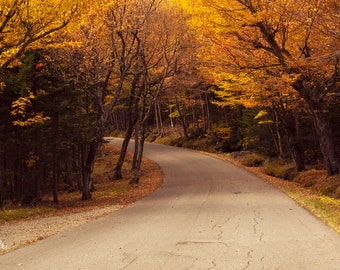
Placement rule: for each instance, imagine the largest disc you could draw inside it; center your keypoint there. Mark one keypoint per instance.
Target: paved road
(207, 215)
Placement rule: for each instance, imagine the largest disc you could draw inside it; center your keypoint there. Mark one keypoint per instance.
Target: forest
(254, 76)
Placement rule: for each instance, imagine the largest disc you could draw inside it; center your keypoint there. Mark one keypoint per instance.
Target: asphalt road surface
(207, 215)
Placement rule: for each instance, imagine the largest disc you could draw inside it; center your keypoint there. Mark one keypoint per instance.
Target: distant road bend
(207, 215)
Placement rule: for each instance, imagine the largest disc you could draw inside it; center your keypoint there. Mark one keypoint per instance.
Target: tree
(25, 23)
(96, 65)
(29, 25)
(294, 43)
(110, 56)
(159, 48)
(38, 157)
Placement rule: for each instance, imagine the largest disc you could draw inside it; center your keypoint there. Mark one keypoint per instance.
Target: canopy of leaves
(275, 42)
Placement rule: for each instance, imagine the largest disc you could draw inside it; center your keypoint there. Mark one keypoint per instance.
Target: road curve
(208, 214)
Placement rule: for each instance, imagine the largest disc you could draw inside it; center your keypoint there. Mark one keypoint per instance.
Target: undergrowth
(107, 192)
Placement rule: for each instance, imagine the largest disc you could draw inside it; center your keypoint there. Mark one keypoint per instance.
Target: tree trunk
(314, 98)
(3, 179)
(278, 142)
(87, 171)
(134, 166)
(184, 125)
(55, 177)
(135, 152)
(325, 135)
(82, 157)
(117, 171)
(297, 154)
(138, 153)
(295, 147)
(172, 124)
(55, 123)
(290, 124)
(206, 104)
(158, 118)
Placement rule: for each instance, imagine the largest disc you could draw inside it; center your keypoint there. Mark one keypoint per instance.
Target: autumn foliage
(238, 75)
(275, 50)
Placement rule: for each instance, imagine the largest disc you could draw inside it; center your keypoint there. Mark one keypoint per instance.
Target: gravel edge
(14, 235)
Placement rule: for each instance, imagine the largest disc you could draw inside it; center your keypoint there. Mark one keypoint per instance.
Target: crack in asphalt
(197, 242)
(200, 243)
(237, 224)
(131, 257)
(214, 265)
(249, 261)
(219, 227)
(246, 267)
(256, 224)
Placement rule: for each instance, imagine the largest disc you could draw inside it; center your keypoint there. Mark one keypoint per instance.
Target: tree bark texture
(184, 125)
(87, 170)
(117, 171)
(313, 95)
(325, 135)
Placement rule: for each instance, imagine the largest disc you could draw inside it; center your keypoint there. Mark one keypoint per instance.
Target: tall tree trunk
(296, 152)
(184, 125)
(158, 118)
(132, 116)
(138, 153)
(55, 123)
(141, 131)
(135, 152)
(172, 123)
(207, 106)
(3, 179)
(132, 119)
(278, 142)
(117, 171)
(134, 166)
(314, 95)
(82, 160)
(290, 124)
(55, 176)
(295, 147)
(325, 135)
(87, 184)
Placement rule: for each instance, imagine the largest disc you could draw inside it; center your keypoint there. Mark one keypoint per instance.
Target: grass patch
(325, 208)
(24, 213)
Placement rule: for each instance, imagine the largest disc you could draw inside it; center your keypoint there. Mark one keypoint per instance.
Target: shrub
(318, 181)
(175, 140)
(310, 178)
(252, 160)
(280, 169)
